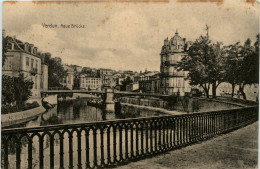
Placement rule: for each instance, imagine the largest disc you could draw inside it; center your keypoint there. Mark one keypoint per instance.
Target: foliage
(242, 65)
(4, 44)
(233, 62)
(125, 82)
(15, 90)
(56, 71)
(204, 63)
(76, 80)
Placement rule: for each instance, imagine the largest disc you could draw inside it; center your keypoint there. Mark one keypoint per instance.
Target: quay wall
(20, 117)
(183, 104)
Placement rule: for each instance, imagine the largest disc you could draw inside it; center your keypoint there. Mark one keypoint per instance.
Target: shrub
(14, 108)
(15, 90)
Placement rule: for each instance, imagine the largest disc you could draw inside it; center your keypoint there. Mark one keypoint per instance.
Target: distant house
(149, 82)
(132, 87)
(23, 58)
(90, 82)
(68, 81)
(106, 76)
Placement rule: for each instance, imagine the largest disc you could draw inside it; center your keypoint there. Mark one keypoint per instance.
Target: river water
(78, 111)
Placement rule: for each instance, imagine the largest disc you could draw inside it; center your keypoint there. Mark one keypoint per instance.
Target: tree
(204, 63)
(56, 72)
(233, 61)
(4, 48)
(76, 80)
(216, 65)
(248, 69)
(125, 83)
(16, 90)
(23, 89)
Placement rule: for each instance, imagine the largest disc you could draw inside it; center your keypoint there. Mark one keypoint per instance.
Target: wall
(16, 63)
(44, 77)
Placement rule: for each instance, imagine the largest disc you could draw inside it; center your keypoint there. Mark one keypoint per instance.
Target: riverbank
(184, 105)
(20, 117)
(160, 110)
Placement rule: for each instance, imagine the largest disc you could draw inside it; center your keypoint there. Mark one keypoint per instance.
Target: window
(36, 82)
(32, 62)
(27, 61)
(69, 80)
(10, 62)
(36, 64)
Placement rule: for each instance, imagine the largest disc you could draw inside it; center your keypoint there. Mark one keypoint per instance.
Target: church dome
(177, 40)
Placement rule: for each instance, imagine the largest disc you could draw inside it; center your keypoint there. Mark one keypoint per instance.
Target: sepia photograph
(129, 84)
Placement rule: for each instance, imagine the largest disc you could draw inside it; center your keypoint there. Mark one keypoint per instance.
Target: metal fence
(112, 143)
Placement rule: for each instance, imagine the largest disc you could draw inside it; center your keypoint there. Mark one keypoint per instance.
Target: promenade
(237, 149)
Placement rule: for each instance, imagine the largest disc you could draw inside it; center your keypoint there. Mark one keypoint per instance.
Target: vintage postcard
(130, 84)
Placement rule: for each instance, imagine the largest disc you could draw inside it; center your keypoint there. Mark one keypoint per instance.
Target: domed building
(173, 81)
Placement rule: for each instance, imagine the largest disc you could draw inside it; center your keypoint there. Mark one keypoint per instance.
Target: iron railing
(111, 143)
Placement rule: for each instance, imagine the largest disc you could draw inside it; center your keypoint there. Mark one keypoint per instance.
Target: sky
(125, 35)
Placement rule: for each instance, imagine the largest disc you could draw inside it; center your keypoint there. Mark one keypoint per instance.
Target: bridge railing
(111, 143)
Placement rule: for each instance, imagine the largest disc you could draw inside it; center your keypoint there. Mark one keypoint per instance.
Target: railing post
(163, 147)
(142, 138)
(30, 153)
(6, 145)
(181, 131)
(18, 153)
(71, 150)
(108, 145)
(167, 134)
(178, 131)
(120, 142)
(95, 146)
(126, 141)
(79, 149)
(51, 151)
(102, 146)
(61, 151)
(114, 142)
(146, 137)
(155, 135)
(151, 137)
(171, 130)
(136, 139)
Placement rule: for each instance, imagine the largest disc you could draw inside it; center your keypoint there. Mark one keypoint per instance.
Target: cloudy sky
(125, 35)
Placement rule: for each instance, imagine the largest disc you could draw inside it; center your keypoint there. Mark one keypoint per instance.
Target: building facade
(150, 84)
(106, 76)
(90, 82)
(173, 81)
(68, 81)
(23, 58)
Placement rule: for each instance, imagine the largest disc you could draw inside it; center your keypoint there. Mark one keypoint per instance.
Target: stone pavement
(238, 149)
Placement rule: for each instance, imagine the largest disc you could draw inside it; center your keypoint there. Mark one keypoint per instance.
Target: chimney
(31, 48)
(3, 33)
(35, 50)
(26, 46)
(166, 41)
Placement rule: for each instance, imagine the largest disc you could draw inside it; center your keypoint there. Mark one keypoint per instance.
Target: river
(78, 111)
